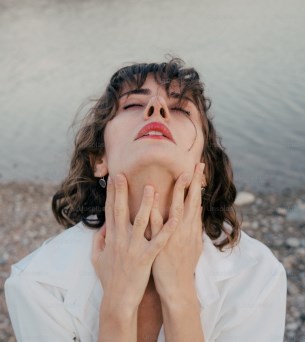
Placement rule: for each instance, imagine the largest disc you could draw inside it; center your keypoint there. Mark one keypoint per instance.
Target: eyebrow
(143, 91)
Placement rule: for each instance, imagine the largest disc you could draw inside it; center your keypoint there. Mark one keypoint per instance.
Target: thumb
(156, 219)
(164, 235)
(98, 243)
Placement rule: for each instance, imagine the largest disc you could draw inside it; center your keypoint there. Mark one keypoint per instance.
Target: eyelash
(175, 108)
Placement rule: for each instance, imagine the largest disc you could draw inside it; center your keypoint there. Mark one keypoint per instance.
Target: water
(251, 56)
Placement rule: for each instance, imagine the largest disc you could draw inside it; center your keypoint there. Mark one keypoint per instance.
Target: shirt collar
(215, 266)
(65, 261)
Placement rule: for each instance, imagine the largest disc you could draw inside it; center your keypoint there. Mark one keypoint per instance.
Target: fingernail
(119, 179)
(148, 190)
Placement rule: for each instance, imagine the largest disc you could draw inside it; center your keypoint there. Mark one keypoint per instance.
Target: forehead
(172, 89)
(150, 82)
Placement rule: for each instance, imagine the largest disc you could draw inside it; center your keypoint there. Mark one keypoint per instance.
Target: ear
(98, 165)
(205, 175)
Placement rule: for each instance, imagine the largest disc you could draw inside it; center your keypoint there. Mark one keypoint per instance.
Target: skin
(158, 163)
(153, 213)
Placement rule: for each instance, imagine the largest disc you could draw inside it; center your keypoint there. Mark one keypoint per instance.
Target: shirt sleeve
(265, 321)
(36, 313)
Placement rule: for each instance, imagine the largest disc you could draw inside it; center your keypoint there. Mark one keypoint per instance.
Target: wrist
(180, 304)
(117, 323)
(182, 289)
(117, 309)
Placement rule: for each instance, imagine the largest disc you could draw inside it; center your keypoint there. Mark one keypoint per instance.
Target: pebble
(278, 242)
(292, 288)
(276, 227)
(297, 213)
(292, 326)
(281, 211)
(255, 224)
(2, 261)
(301, 251)
(243, 198)
(293, 242)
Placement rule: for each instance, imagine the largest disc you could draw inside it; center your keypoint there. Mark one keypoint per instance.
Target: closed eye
(175, 108)
(132, 105)
(182, 110)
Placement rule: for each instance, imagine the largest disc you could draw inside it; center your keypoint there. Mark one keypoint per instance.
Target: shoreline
(276, 219)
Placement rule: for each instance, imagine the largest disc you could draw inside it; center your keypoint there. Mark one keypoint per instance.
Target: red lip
(155, 126)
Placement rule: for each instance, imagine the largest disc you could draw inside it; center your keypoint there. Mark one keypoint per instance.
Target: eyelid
(131, 104)
(173, 108)
(182, 109)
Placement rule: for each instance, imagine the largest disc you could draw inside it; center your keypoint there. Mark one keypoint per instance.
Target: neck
(162, 182)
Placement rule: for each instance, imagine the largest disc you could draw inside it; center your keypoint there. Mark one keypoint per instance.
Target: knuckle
(158, 244)
(179, 210)
(108, 206)
(156, 221)
(184, 180)
(118, 211)
(195, 201)
(120, 183)
(139, 221)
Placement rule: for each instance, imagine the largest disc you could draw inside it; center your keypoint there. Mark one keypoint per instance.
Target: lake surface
(251, 55)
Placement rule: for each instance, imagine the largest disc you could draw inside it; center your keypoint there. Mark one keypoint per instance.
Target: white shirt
(54, 295)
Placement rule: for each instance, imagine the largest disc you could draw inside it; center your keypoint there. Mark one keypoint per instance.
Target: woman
(154, 251)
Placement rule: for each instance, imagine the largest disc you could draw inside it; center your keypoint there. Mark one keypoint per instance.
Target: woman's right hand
(123, 260)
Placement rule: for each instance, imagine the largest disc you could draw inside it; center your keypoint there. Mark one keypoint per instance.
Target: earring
(102, 182)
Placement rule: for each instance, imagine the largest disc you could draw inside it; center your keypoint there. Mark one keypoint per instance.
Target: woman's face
(127, 152)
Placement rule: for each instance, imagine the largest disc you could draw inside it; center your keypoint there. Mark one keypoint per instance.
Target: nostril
(151, 110)
(162, 112)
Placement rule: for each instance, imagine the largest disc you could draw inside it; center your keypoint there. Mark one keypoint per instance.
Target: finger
(109, 205)
(121, 211)
(177, 206)
(161, 239)
(193, 199)
(156, 219)
(142, 217)
(98, 245)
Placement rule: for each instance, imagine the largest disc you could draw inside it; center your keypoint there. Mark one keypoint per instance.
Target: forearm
(117, 324)
(181, 317)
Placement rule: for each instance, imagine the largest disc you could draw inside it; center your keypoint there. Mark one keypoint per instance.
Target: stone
(293, 242)
(276, 227)
(281, 211)
(292, 326)
(2, 261)
(255, 224)
(243, 198)
(297, 213)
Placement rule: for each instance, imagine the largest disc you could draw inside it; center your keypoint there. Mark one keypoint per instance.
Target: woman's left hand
(174, 267)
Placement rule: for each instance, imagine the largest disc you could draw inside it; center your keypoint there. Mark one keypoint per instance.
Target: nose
(157, 106)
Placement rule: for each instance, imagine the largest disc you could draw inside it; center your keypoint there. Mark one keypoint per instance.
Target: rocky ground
(278, 220)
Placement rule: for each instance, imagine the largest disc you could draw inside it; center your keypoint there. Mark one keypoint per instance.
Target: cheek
(117, 136)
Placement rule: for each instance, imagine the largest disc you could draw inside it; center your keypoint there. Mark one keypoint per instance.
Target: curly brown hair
(80, 194)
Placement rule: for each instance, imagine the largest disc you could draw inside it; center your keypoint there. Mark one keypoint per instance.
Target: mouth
(155, 130)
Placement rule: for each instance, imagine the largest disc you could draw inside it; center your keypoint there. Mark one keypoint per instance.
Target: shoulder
(54, 262)
(267, 266)
(246, 270)
(262, 270)
(244, 291)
